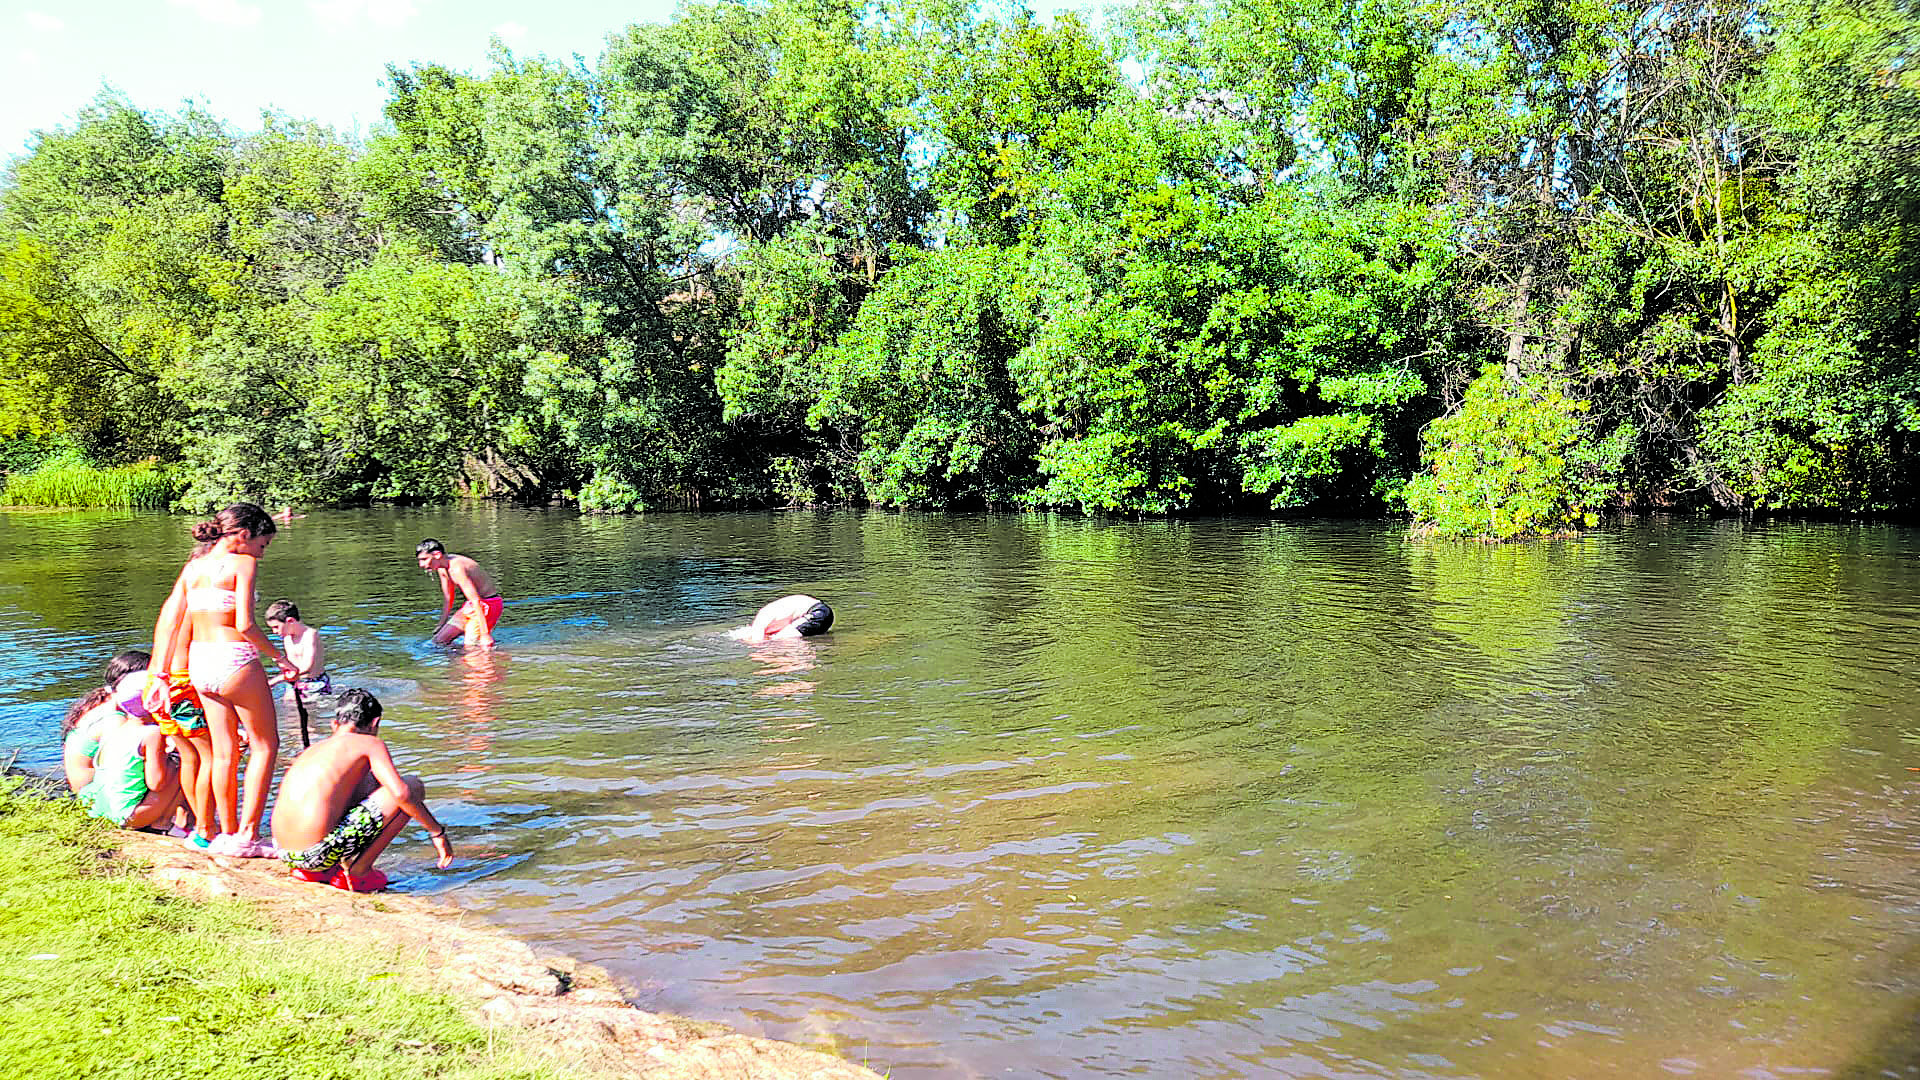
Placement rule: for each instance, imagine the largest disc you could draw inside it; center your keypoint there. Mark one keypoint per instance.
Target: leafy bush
(609, 494)
(1518, 458)
(24, 453)
(1302, 461)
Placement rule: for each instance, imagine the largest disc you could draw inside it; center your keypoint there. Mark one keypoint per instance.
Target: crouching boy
(342, 802)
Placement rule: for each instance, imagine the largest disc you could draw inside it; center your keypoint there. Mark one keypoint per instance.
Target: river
(1065, 798)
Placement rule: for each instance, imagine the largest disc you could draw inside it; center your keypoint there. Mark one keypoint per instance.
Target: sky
(315, 59)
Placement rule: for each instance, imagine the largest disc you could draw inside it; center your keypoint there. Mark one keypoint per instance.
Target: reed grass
(66, 482)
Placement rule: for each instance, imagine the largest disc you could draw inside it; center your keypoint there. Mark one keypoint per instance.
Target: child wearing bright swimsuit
(211, 611)
(343, 801)
(183, 718)
(134, 785)
(183, 721)
(353, 836)
(80, 729)
(460, 575)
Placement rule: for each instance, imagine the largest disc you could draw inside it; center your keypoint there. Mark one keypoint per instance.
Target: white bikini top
(213, 600)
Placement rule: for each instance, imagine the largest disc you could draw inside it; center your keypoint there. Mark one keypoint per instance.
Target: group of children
(159, 742)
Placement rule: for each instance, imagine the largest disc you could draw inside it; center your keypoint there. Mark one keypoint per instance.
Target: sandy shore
(576, 1012)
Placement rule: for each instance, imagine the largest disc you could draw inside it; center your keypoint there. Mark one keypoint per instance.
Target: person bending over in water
(461, 575)
(795, 616)
(343, 802)
(212, 605)
(80, 729)
(309, 655)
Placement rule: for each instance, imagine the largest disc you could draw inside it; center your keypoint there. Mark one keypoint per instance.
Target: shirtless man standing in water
(343, 801)
(461, 575)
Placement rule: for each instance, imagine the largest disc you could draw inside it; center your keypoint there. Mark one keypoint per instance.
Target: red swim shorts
(490, 606)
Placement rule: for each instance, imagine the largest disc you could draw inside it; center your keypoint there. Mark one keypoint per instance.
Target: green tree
(1515, 460)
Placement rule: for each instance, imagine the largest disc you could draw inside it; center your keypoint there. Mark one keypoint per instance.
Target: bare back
(460, 566)
(215, 590)
(322, 783)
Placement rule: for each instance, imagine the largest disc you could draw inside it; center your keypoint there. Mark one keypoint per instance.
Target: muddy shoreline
(576, 1012)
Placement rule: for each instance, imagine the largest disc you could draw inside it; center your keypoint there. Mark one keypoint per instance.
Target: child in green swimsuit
(134, 783)
(80, 730)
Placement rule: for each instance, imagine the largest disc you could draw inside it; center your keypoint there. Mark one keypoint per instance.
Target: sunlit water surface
(1071, 799)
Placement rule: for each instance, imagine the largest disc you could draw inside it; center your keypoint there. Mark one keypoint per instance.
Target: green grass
(106, 975)
(64, 481)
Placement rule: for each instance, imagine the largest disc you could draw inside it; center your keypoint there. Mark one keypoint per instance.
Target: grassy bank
(108, 976)
(67, 482)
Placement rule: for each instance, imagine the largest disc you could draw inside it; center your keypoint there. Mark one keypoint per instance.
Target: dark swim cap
(816, 621)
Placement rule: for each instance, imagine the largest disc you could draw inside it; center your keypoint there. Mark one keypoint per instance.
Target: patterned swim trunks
(357, 831)
(308, 689)
(185, 715)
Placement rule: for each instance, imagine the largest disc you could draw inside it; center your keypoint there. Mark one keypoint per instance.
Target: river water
(1065, 798)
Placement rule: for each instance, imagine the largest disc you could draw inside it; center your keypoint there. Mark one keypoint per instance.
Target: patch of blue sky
(323, 60)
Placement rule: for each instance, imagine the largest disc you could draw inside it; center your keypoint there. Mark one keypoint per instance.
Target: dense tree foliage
(1505, 264)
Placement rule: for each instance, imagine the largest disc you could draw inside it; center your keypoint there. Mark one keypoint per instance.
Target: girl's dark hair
(118, 668)
(238, 518)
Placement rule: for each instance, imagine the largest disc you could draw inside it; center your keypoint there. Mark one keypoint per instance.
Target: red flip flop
(337, 877)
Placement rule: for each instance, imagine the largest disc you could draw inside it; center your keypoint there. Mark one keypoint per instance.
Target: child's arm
(275, 678)
(447, 594)
(77, 752)
(165, 630)
(381, 764)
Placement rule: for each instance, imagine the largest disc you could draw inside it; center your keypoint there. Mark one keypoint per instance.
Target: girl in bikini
(211, 610)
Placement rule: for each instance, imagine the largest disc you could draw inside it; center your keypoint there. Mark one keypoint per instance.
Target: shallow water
(1072, 799)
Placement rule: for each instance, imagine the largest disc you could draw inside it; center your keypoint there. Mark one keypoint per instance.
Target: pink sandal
(232, 846)
(258, 849)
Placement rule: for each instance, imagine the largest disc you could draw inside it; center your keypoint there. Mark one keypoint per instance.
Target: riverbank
(128, 952)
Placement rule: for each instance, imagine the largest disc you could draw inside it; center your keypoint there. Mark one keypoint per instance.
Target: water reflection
(1065, 798)
(783, 659)
(479, 673)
